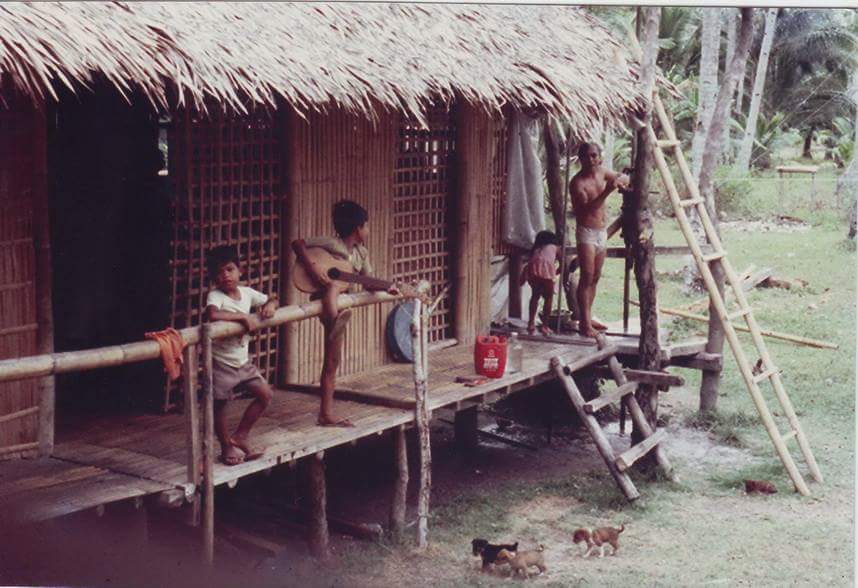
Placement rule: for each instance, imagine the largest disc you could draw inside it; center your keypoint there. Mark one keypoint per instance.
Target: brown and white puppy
(600, 537)
(521, 561)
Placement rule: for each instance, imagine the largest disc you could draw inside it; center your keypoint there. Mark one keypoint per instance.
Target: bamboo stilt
(400, 485)
(317, 498)
(208, 446)
(192, 420)
(419, 336)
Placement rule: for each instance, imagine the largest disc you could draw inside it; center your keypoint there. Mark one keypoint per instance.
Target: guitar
(342, 273)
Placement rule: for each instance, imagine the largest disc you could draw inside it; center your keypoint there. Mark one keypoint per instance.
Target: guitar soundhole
(334, 273)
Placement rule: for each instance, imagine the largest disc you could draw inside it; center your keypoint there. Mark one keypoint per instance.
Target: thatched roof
(313, 55)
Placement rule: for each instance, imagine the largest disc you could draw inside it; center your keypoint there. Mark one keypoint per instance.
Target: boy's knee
(266, 394)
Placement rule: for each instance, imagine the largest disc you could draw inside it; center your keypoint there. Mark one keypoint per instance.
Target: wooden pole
(400, 485)
(44, 281)
(290, 228)
(465, 428)
(515, 269)
(419, 342)
(208, 446)
(764, 332)
(564, 262)
(192, 421)
(317, 495)
(115, 355)
(649, 352)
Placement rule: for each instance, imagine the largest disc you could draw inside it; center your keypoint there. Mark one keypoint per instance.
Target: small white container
(515, 355)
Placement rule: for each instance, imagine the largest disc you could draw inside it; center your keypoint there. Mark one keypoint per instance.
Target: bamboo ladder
(618, 465)
(744, 310)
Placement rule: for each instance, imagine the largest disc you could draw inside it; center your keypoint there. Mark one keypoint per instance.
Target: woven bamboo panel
(422, 188)
(499, 171)
(17, 267)
(227, 191)
(339, 156)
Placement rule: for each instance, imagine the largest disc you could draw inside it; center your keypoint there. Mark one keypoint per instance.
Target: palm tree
(815, 53)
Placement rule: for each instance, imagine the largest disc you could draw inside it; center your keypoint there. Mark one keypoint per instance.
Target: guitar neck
(367, 282)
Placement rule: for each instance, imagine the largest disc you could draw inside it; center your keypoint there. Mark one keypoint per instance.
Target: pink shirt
(542, 262)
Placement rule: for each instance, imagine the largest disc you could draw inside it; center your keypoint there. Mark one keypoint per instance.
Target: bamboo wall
(473, 227)
(227, 190)
(18, 316)
(499, 171)
(332, 157)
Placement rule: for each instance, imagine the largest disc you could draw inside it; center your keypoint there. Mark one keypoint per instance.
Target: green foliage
(732, 194)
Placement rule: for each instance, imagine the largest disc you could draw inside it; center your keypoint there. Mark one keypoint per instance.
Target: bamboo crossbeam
(18, 414)
(36, 366)
(764, 332)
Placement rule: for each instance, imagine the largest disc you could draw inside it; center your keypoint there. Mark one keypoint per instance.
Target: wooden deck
(108, 459)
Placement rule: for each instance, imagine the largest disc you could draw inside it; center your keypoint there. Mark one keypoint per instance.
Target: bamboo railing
(203, 446)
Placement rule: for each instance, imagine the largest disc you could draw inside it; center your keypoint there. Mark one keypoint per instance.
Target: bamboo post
(290, 222)
(598, 436)
(208, 445)
(563, 262)
(515, 269)
(400, 485)
(317, 494)
(43, 278)
(192, 420)
(421, 367)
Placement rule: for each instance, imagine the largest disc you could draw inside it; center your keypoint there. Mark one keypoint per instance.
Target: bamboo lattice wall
(499, 170)
(18, 327)
(226, 172)
(422, 191)
(337, 156)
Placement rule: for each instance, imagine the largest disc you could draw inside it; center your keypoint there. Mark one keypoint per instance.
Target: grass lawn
(703, 529)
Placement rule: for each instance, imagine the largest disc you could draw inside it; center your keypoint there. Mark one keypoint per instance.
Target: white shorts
(595, 237)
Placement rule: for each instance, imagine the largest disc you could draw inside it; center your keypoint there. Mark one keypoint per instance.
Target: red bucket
(490, 356)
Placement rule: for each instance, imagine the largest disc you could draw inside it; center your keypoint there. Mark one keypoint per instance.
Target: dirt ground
(699, 530)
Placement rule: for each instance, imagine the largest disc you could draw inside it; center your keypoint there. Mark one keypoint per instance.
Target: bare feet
(597, 324)
(531, 329)
(249, 454)
(230, 455)
(587, 330)
(333, 421)
(546, 330)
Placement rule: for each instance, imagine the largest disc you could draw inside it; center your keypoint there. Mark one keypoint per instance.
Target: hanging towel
(171, 344)
(525, 206)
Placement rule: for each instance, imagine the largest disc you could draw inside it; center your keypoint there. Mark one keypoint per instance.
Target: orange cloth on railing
(172, 344)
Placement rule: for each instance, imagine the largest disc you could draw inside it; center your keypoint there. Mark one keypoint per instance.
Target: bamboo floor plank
(44, 488)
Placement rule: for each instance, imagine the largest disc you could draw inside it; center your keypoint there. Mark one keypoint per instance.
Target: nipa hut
(136, 136)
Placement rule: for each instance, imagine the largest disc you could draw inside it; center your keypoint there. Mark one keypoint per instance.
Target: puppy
(521, 561)
(761, 486)
(489, 552)
(593, 538)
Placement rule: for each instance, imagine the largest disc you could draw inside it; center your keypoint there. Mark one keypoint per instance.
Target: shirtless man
(589, 188)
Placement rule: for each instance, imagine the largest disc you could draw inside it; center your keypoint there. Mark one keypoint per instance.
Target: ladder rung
(713, 256)
(665, 143)
(764, 376)
(739, 314)
(627, 458)
(788, 436)
(609, 397)
(690, 201)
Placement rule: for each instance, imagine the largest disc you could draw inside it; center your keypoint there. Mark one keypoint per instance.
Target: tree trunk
(808, 142)
(642, 239)
(730, 26)
(608, 148)
(708, 84)
(715, 344)
(740, 87)
(848, 181)
(743, 160)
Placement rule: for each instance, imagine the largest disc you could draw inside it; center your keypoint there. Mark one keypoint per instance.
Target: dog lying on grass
(523, 560)
(600, 537)
(489, 552)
